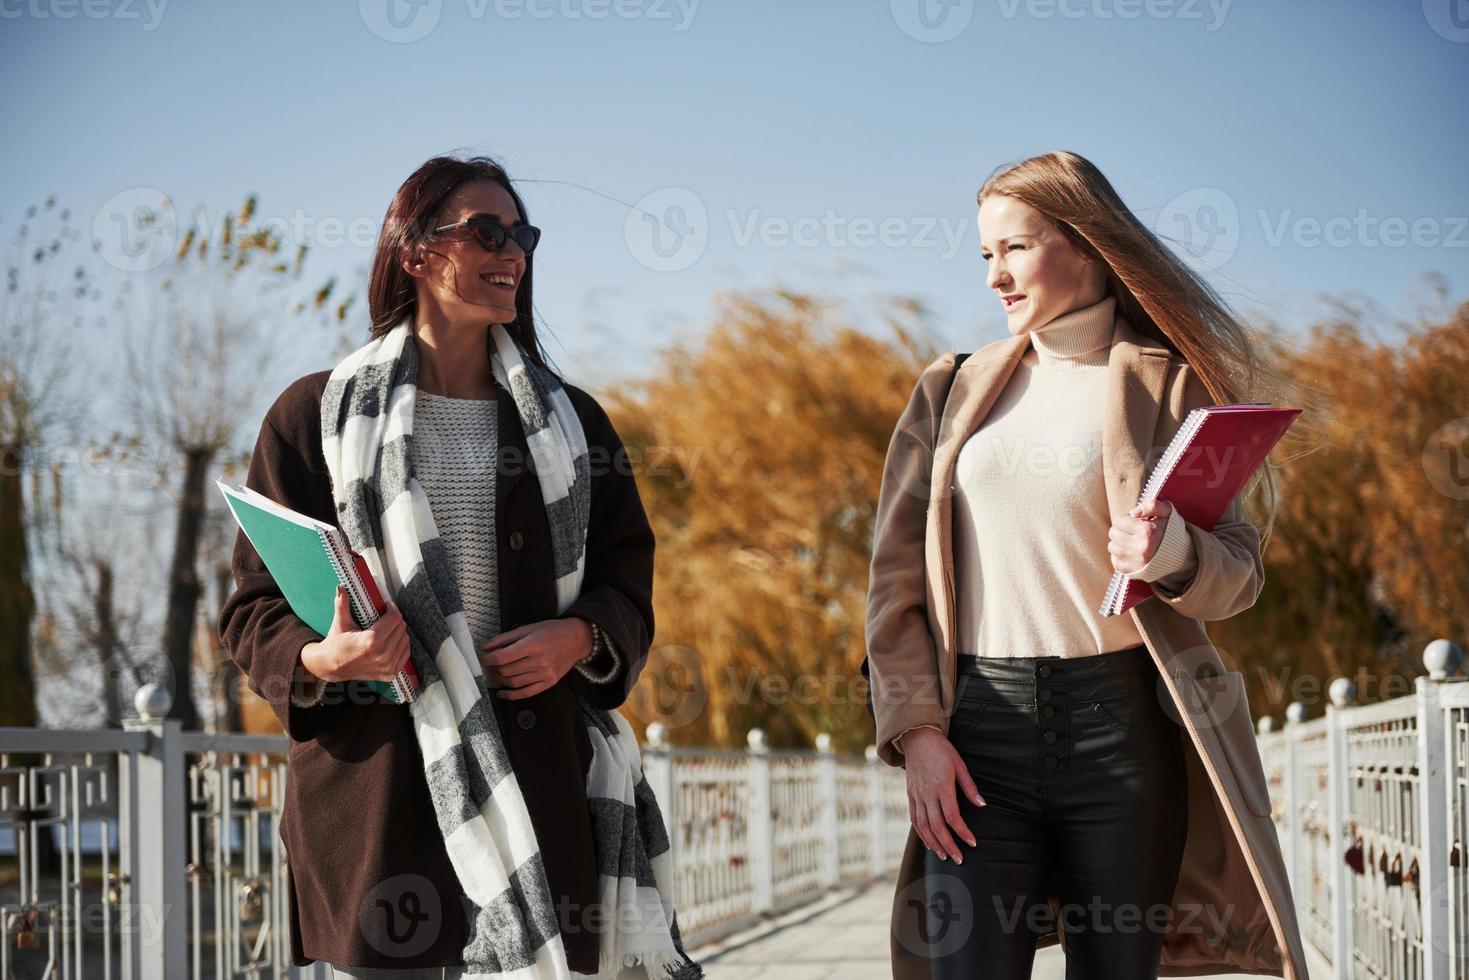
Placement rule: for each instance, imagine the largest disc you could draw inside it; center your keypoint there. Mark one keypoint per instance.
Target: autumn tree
(207, 324)
(43, 309)
(759, 453)
(1368, 563)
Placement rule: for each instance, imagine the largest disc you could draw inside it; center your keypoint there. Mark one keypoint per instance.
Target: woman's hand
(1134, 536)
(933, 766)
(529, 659)
(347, 653)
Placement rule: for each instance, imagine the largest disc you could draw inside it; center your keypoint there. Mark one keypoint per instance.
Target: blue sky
(1310, 148)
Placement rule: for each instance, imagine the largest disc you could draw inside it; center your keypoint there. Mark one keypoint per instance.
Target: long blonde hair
(1157, 293)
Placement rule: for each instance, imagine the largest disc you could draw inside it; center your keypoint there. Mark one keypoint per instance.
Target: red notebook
(1210, 459)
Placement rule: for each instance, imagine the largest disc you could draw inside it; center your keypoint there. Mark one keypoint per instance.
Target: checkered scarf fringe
(367, 433)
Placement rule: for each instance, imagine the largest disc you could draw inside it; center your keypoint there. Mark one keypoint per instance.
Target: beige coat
(1232, 911)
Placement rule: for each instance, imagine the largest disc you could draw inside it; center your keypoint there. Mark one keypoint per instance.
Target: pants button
(525, 718)
(1050, 762)
(1049, 736)
(1048, 711)
(1045, 670)
(1045, 694)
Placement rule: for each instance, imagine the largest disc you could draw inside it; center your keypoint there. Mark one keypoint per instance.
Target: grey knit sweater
(454, 451)
(455, 447)
(1031, 519)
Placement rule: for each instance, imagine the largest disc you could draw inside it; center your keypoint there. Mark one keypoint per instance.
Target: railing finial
(152, 701)
(1442, 659)
(1295, 712)
(1343, 691)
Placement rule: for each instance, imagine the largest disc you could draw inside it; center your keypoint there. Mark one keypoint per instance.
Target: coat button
(1048, 712)
(1044, 670)
(1050, 762)
(1049, 736)
(1045, 694)
(525, 718)
(516, 540)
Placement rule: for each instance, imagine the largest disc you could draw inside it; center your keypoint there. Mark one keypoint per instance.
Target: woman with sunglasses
(372, 889)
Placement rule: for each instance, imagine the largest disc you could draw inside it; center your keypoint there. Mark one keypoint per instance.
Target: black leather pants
(1081, 764)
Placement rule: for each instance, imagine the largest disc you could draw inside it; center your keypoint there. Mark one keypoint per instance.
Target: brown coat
(1232, 911)
(365, 854)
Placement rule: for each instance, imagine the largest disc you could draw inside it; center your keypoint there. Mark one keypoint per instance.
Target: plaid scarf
(367, 433)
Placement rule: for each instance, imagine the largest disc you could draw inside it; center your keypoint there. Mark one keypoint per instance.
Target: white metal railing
(170, 864)
(758, 832)
(166, 853)
(1370, 802)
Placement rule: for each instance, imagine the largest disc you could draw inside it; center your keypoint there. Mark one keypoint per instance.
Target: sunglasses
(492, 235)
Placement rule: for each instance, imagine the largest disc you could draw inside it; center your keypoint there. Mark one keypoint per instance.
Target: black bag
(865, 668)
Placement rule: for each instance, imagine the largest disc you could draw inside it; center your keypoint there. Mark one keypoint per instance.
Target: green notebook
(308, 558)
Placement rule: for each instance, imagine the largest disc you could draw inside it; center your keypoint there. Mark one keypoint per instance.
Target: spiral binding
(347, 575)
(1117, 587)
(362, 609)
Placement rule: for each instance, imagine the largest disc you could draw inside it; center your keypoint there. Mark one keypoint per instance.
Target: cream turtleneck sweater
(1030, 508)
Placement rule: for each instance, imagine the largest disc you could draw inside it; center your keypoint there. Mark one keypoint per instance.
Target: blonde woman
(1062, 787)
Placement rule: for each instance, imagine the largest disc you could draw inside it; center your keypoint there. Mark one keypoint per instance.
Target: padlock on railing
(252, 900)
(24, 924)
(1354, 856)
(1394, 871)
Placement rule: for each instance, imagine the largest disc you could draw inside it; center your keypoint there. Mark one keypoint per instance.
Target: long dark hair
(390, 290)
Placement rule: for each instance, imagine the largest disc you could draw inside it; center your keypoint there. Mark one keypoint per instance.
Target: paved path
(844, 937)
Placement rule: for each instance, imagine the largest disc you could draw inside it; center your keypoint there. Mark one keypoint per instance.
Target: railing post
(155, 924)
(1342, 691)
(877, 813)
(762, 827)
(826, 776)
(1440, 658)
(1295, 713)
(1263, 727)
(658, 770)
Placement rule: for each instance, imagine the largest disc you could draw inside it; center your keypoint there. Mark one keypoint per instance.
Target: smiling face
(460, 282)
(1035, 271)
